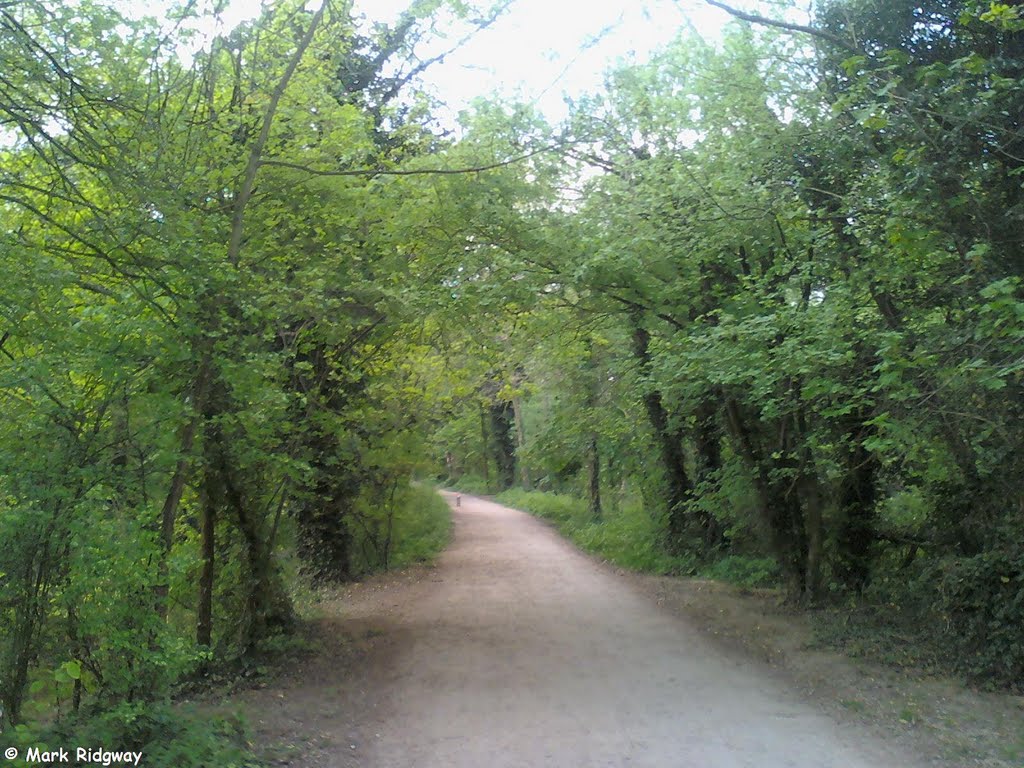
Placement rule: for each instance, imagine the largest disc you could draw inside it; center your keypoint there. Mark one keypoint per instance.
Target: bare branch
(755, 18)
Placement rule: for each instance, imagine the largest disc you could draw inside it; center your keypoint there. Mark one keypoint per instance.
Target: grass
(854, 705)
(881, 632)
(1015, 751)
(627, 537)
(909, 714)
(631, 538)
(744, 571)
(423, 528)
(472, 484)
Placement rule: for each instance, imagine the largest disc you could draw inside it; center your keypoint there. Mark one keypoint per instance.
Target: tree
(208, 282)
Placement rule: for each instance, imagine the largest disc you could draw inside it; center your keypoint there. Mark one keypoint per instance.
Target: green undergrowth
(420, 525)
(630, 537)
(423, 528)
(172, 733)
(880, 633)
(168, 736)
(743, 571)
(952, 616)
(626, 536)
(892, 621)
(473, 484)
(409, 525)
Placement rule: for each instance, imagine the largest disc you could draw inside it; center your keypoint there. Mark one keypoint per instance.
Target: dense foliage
(206, 339)
(758, 305)
(785, 311)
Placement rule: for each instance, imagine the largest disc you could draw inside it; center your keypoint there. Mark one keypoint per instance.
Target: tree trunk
(212, 498)
(485, 450)
(594, 478)
(778, 508)
(669, 443)
(268, 603)
(323, 511)
(208, 524)
(810, 495)
(592, 383)
(36, 581)
(708, 454)
(857, 496)
(524, 471)
(325, 541)
(198, 397)
(503, 443)
(22, 646)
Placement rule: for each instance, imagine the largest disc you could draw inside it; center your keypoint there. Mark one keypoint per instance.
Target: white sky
(541, 50)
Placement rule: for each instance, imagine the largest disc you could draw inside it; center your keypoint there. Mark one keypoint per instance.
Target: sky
(541, 50)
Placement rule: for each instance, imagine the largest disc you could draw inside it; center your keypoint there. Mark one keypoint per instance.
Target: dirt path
(516, 650)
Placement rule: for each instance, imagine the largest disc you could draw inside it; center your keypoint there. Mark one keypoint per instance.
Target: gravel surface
(517, 650)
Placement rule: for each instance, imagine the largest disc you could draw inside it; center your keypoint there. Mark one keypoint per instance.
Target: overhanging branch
(755, 18)
(409, 172)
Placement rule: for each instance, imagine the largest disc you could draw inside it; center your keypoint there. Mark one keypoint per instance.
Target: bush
(394, 529)
(942, 615)
(981, 599)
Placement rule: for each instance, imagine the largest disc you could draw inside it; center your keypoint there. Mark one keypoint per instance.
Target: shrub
(393, 529)
(982, 601)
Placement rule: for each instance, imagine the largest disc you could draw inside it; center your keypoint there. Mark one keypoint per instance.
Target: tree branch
(255, 156)
(755, 18)
(371, 172)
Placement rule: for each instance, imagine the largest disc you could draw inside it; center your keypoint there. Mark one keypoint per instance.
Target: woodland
(754, 309)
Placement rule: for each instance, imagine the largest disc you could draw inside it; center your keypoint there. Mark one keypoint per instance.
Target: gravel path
(520, 651)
